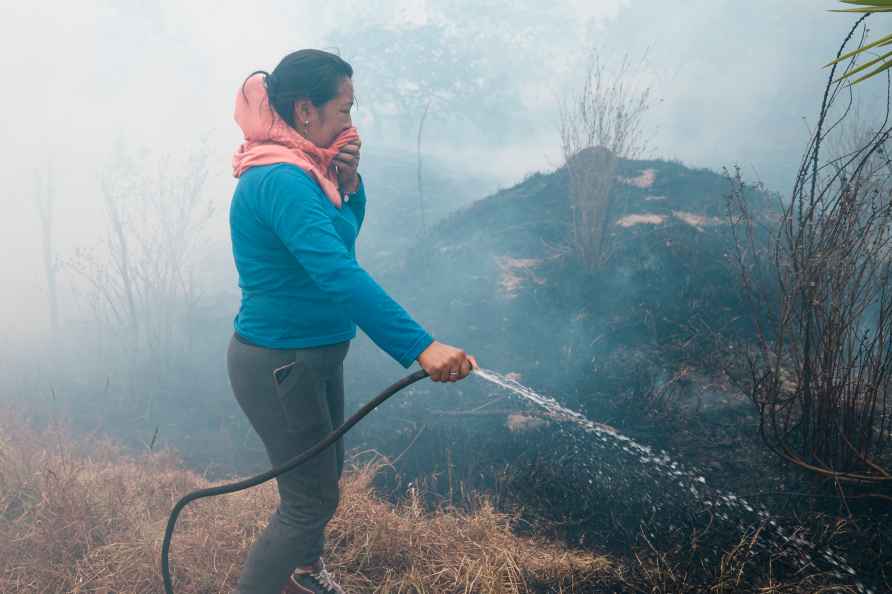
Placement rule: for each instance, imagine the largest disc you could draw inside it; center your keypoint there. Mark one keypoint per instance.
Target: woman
(294, 217)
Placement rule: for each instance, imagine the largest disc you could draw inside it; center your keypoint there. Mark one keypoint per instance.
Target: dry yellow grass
(83, 516)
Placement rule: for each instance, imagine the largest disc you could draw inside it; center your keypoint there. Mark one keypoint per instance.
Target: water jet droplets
(668, 468)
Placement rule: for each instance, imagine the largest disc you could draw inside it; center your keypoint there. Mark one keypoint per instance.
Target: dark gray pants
(291, 412)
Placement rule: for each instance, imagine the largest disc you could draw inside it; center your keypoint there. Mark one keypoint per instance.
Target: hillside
(500, 279)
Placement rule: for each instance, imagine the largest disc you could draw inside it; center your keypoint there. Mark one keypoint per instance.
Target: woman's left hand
(346, 164)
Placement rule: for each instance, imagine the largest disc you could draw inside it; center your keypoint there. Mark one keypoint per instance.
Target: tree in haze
(601, 121)
(140, 285)
(465, 69)
(468, 61)
(44, 200)
(409, 75)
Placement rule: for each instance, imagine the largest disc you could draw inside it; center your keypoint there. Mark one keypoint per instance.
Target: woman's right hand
(439, 359)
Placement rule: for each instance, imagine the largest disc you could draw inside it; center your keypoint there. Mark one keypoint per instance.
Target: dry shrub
(738, 568)
(405, 549)
(84, 516)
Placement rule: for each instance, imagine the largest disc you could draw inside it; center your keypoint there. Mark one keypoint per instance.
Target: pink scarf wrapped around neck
(269, 139)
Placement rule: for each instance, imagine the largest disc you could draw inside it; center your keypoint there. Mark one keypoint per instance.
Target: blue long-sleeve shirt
(301, 284)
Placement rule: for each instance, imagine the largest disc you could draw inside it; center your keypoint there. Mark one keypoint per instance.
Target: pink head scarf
(269, 139)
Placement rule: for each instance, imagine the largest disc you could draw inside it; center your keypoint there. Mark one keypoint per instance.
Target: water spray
(687, 479)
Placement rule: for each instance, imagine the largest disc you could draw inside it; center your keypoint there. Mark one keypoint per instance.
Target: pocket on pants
(296, 384)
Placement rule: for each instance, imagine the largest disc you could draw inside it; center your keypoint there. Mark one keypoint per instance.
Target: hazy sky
(733, 81)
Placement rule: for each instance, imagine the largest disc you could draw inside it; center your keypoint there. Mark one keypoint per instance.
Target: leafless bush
(45, 200)
(140, 284)
(600, 122)
(821, 373)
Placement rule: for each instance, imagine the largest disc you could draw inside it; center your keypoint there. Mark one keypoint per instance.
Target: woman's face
(329, 119)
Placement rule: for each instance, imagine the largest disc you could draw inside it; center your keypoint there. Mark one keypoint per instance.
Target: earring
(306, 123)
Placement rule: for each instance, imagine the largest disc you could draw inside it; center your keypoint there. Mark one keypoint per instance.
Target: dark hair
(305, 74)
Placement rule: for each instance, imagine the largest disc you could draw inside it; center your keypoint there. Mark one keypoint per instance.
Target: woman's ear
(302, 112)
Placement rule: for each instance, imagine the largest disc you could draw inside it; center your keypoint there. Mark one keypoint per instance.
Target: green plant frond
(882, 68)
(866, 6)
(889, 9)
(879, 42)
(868, 2)
(864, 66)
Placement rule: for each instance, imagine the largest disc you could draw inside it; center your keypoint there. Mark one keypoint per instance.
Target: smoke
(733, 84)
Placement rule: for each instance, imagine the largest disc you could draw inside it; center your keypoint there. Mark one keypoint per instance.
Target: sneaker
(312, 581)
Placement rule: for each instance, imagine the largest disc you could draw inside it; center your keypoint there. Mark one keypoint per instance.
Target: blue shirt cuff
(418, 347)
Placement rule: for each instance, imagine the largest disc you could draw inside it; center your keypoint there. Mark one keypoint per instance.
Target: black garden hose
(274, 472)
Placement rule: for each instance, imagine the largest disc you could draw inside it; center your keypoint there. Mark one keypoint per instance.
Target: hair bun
(272, 84)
